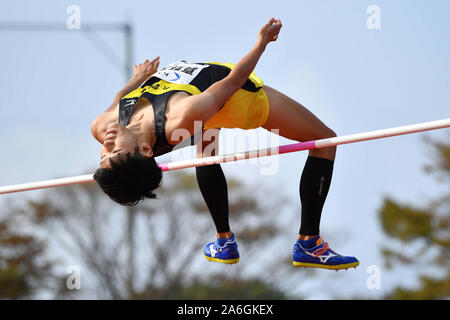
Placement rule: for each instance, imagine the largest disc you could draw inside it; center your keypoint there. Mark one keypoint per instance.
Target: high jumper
(147, 115)
(160, 111)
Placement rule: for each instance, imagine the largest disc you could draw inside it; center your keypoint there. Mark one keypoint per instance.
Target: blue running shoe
(222, 250)
(321, 256)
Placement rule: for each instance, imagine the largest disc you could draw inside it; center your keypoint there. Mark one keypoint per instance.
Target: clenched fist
(269, 32)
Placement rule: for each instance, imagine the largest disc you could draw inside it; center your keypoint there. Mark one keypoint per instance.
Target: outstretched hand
(269, 32)
(146, 69)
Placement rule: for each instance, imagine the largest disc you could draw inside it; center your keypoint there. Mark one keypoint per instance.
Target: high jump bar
(294, 147)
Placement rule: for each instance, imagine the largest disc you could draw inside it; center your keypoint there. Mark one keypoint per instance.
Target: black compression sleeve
(314, 185)
(213, 186)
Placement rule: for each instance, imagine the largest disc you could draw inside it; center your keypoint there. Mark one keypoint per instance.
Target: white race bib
(180, 72)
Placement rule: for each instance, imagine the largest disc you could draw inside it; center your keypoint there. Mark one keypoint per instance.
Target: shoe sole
(324, 266)
(228, 261)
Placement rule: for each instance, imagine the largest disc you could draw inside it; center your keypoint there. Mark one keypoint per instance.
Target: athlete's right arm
(240, 73)
(205, 105)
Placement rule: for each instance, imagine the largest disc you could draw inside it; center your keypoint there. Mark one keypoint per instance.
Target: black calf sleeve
(213, 186)
(314, 185)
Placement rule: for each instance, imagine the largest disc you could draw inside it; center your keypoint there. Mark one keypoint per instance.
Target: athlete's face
(118, 142)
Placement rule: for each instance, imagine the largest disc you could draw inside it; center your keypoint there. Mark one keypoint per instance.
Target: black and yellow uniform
(248, 108)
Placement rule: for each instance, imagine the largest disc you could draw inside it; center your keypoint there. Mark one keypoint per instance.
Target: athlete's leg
(213, 184)
(295, 122)
(213, 187)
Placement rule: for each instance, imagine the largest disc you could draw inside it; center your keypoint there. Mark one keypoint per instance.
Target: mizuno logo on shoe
(212, 250)
(323, 258)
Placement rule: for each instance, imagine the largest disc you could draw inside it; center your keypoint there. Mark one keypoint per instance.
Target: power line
(90, 30)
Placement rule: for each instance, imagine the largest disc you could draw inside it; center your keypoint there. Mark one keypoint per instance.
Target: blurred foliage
(429, 289)
(222, 288)
(23, 265)
(406, 223)
(251, 289)
(150, 251)
(423, 232)
(441, 163)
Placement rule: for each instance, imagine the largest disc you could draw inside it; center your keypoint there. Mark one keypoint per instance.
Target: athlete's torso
(176, 80)
(158, 96)
(142, 112)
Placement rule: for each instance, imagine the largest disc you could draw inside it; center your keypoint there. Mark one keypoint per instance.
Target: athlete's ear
(146, 150)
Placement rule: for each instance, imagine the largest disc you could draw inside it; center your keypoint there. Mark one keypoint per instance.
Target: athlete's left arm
(141, 72)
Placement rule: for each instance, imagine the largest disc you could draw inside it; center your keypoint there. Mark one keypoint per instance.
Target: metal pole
(128, 31)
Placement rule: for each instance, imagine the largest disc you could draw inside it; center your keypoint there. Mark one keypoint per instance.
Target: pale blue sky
(354, 79)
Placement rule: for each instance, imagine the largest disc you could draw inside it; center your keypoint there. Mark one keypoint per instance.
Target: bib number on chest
(180, 72)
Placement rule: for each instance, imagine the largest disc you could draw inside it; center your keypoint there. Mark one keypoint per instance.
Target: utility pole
(129, 45)
(90, 30)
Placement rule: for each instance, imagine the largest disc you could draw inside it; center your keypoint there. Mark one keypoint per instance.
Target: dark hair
(130, 180)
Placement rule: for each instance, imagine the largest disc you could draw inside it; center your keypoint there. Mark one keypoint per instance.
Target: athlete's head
(128, 172)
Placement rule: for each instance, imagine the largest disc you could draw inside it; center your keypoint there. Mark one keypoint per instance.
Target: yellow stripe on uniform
(161, 87)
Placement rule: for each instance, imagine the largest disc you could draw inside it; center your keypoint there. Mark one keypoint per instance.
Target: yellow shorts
(244, 110)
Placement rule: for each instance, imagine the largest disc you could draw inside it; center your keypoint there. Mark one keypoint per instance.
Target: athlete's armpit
(202, 107)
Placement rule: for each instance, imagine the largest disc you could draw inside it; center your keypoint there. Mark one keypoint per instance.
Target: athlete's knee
(328, 133)
(328, 152)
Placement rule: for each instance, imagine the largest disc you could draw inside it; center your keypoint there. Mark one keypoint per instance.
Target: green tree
(428, 229)
(24, 267)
